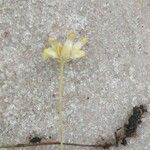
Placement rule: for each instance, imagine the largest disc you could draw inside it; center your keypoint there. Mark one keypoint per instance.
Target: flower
(66, 52)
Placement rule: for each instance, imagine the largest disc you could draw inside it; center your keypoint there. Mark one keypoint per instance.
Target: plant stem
(60, 105)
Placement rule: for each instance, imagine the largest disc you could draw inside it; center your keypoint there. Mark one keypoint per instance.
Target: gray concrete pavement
(115, 74)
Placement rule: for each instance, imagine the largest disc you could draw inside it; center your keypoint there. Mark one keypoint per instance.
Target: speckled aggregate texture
(100, 90)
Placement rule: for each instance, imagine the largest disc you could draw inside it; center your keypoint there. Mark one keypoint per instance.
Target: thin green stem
(60, 105)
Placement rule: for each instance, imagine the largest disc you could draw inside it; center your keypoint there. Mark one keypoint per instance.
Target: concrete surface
(115, 74)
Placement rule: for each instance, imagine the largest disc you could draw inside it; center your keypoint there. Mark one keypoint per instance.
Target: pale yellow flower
(66, 52)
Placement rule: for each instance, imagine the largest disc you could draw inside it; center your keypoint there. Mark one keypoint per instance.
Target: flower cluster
(70, 50)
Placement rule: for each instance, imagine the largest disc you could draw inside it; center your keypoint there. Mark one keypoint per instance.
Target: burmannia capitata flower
(70, 50)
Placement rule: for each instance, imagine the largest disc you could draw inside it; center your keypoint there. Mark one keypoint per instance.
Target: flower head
(66, 52)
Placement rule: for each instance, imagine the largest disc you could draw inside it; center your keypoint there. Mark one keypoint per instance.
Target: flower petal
(66, 50)
(78, 45)
(75, 54)
(49, 52)
(56, 45)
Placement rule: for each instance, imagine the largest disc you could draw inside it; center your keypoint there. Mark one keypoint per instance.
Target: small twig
(51, 143)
